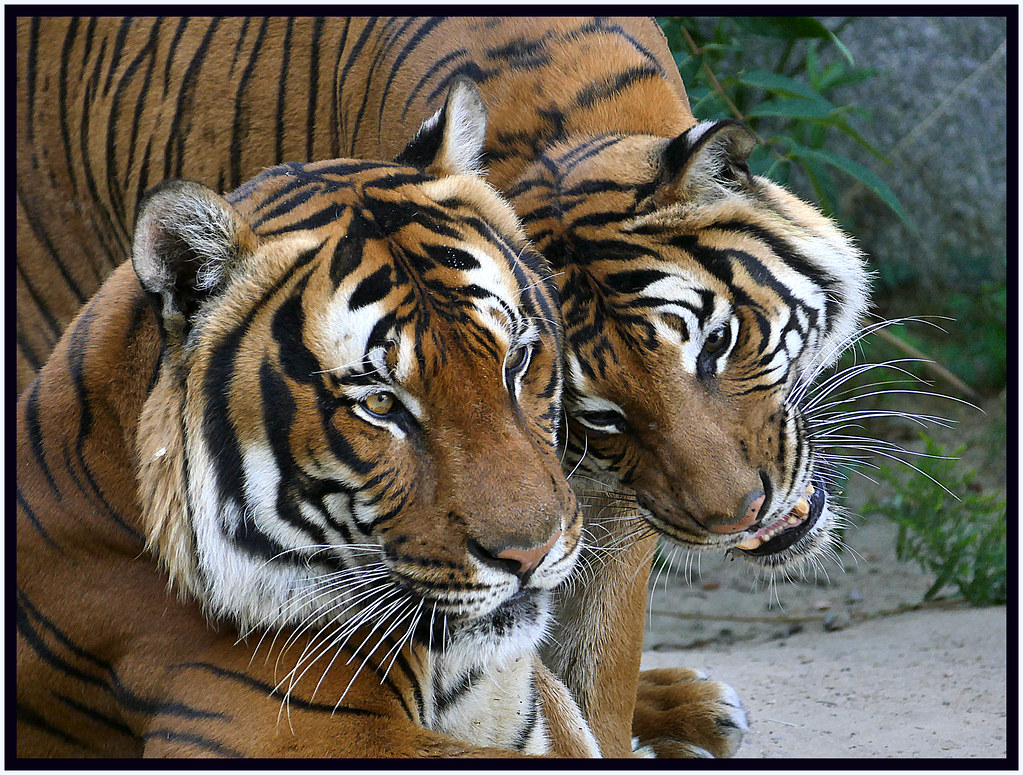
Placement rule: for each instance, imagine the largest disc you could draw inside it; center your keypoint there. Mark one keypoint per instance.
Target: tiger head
(699, 303)
(354, 420)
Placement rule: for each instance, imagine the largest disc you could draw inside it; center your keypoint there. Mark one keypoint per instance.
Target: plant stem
(930, 364)
(697, 51)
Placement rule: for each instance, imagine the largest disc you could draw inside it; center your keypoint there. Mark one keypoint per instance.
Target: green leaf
(784, 27)
(860, 173)
(710, 108)
(813, 68)
(841, 47)
(775, 82)
(794, 107)
(843, 126)
(842, 77)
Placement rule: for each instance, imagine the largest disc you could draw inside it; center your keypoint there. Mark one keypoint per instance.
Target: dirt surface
(844, 663)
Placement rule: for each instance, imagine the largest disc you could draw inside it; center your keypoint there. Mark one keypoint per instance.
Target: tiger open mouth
(783, 532)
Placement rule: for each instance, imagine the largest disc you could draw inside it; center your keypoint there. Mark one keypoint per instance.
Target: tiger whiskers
(828, 356)
(337, 639)
(382, 592)
(303, 607)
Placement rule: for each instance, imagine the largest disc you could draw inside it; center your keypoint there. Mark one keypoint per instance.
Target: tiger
(282, 408)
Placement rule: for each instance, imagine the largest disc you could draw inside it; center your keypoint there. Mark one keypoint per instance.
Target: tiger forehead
(402, 305)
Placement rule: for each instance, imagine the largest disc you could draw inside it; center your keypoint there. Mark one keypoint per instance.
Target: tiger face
(699, 303)
(355, 420)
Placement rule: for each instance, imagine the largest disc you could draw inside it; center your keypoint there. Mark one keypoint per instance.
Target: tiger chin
(347, 437)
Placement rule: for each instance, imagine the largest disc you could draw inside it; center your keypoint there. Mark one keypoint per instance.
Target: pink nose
(745, 520)
(528, 558)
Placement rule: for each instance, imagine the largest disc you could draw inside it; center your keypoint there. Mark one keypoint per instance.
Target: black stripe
(150, 51)
(77, 368)
(417, 694)
(37, 227)
(600, 24)
(611, 87)
(313, 89)
(171, 51)
(62, 101)
(282, 87)
(238, 43)
(529, 723)
(27, 351)
(329, 214)
(23, 503)
(337, 124)
(278, 416)
(273, 691)
(791, 257)
(35, 435)
(409, 46)
(112, 684)
(105, 226)
(341, 75)
(198, 741)
(32, 637)
(115, 54)
(430, 72)
(383, 41)
(218, 430)
(26, 715)
(371, 289)
(183, 109)
(101, 718)
(30, 77)
(447, 698)
(634, 280)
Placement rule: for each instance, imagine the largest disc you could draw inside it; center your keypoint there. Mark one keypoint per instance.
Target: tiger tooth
(793, 520)
(802, 507)
(750, 543)
(809, 489)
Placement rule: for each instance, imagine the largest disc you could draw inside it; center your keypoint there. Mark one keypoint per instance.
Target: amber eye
(515, 359)
(379, 403)
(717, 340)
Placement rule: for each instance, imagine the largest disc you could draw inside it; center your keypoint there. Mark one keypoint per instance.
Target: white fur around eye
(586, 407)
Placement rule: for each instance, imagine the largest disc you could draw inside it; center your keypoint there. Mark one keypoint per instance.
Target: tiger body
(699, 302)
(343, 588)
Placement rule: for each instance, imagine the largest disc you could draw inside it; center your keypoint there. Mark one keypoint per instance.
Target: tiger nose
(747, 513)
(513, 558)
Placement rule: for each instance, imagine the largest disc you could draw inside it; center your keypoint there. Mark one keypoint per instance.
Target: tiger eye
(716, 340)
(379, 403)
(515, 358)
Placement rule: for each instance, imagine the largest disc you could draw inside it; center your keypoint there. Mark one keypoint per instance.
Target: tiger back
(310, 376)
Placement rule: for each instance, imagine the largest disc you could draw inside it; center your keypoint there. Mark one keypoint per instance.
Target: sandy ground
(840, 665)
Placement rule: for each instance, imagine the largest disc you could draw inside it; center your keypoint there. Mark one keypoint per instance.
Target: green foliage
(969, 340)
(962, 542)
(791, 106)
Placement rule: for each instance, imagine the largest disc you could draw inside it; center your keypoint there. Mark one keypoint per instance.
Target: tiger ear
(187, 239)
(706, 161)
(450, 142)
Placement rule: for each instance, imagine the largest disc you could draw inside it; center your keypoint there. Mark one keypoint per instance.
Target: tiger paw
(680, 713)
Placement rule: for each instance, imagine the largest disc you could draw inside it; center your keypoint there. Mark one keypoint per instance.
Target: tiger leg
(680, 713)
(597, 640)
